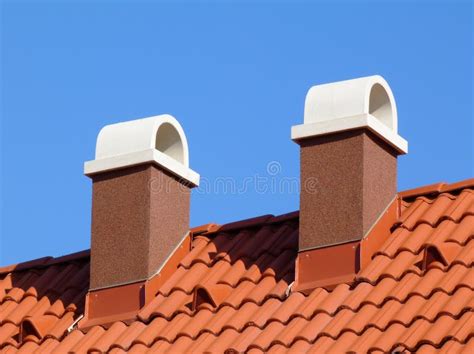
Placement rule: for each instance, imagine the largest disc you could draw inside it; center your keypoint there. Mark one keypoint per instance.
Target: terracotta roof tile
(138, 349)
(232, 292)
(69, 342)
(88, 340)
(109, 338)
(28, 347)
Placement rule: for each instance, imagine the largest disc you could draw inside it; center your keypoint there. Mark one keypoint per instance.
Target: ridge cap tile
(246, 223)
(204, 229)
(293, 215)
(43, 262)
(25, 265)
(464, 184)
(437, 188)
(429, 189)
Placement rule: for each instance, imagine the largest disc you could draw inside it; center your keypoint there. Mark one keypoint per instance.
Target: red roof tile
(232, 292)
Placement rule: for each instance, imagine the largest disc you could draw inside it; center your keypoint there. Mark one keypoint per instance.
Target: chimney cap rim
(304, 131)
(153, 156)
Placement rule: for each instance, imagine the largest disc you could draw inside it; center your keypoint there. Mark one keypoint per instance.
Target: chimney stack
(141, 184)
(349, 146)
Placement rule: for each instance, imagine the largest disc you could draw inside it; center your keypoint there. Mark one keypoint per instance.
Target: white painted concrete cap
(346, 105)
(158, 139)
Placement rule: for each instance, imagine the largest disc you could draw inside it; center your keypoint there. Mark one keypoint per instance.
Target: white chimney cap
(366, 102)
(160, 140)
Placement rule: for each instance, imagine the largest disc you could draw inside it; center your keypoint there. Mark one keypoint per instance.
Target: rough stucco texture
(139, 215)
(347, 180)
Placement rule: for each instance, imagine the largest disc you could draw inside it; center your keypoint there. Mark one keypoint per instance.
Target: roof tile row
(415, 294)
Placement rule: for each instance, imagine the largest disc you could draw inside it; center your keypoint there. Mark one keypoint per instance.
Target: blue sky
(235, 76)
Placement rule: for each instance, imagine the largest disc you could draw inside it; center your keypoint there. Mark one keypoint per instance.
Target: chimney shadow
(56, 288)
(254, 253)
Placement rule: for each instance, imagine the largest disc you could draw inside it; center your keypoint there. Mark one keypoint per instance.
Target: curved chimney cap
(160, 140)
(346, 105)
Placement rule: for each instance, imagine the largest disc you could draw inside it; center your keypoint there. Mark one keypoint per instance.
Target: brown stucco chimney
(141, 184)
(349, 147)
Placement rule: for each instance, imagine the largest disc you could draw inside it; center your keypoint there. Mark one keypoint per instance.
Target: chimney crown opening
(169, 142)
(380, 106)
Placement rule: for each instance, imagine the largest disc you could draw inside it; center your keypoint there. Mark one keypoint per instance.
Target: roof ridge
(45, 262)
(436, 188)
(204, 229)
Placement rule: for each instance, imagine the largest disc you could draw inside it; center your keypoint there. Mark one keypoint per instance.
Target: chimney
(349, 146)
(141, 184)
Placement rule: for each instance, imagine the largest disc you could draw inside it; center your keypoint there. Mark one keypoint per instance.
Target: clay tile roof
(232, 292)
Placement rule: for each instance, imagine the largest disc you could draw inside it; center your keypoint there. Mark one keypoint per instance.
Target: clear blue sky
(235, 76)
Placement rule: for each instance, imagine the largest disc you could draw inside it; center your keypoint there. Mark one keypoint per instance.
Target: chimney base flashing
(332, 265)
(329, 245)
(326, 267)
(309, 130)
(119, 303)
(104, 306)
(327, 283)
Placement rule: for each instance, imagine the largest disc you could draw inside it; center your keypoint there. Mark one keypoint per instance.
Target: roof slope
(416, 294)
